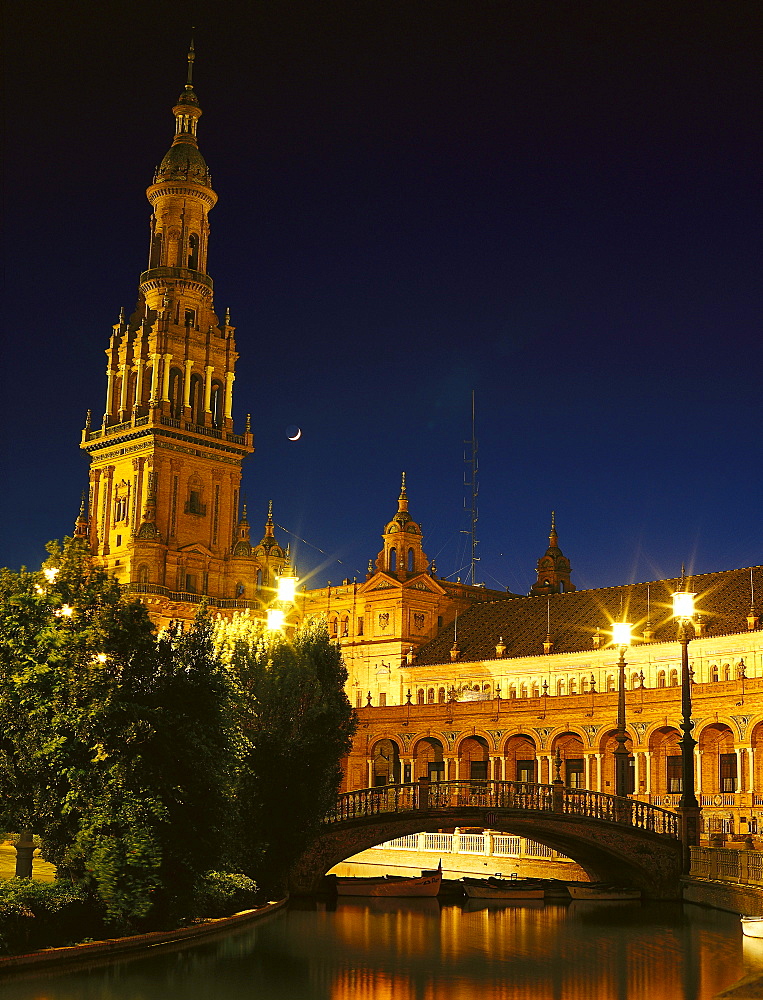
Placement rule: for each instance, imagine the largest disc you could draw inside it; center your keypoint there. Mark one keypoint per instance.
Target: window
(523, 691)
(143, 573)
(512, 691)
(335, 627)
(190, 317)
(478, 770)
(714, 672)
(610, 682)
(560, 687)
(726, 672)
(439, 621)
(216, 404)
(358, 699)
(436, 770)
(674, 678)
(661, 679)
(345, 626)
(193, 251)
(410, 560)
(526, 770)
(194, 504)
(392, 560)
(573, 687)
(360, 626)
(197, 399)
(675, 774)
(176, 388)
(574, 772)
(190, 583)
(420, 696)
(441, 696)
(430, 696)
(382, 699)
(728, 772)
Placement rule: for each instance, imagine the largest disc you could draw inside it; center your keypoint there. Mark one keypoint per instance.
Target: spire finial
(191, 57)
(270, 511)
(553, 520)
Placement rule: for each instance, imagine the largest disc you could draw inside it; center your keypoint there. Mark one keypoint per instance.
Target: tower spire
(191, 57)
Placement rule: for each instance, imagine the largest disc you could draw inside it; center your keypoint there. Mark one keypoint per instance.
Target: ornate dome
(184, 162)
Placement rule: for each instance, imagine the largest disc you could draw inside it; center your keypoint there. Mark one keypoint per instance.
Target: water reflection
(385, 949)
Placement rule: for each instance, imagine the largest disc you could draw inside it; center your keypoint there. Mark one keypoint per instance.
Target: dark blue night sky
(556, 205)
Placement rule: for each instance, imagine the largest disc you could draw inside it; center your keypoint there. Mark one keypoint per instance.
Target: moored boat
(752, 927)
(496, 888)
(602, 891)
(426, 884)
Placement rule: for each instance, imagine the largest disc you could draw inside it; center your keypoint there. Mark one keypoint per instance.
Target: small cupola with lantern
(402, 555)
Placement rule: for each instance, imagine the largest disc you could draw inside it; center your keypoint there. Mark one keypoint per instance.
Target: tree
(299, 725)
(119, 750)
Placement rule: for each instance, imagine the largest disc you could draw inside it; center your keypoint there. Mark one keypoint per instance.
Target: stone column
(166, 379)
(457, 762)
(138, 382)
(109, 391)
(697, 770)
(738, 753)
(636, 772)
(123, 392)
(208, 369)
(751, 771)
(370, 772)
(587, 769)
(154, 378)
(187, 383)
(599, 775)
(648, 770)
(229, 377)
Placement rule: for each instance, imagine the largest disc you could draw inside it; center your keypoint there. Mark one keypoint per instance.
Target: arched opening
(430, 696)
(674, 678)
(714, 673)
(216, 403)
(569, 747)
(661, 679)
(410, 560)
(386, 763)
(197, 399)
(441, 696)
(155, 253)
(143, 574)
(520, 759)
(473, 754)
(176, 393)
(193, 251)
(392, 560)
(718, 760)
(420, 696)
(335, 626)
(428, 759)
(345, 626)
(607, 746)
(665, 778)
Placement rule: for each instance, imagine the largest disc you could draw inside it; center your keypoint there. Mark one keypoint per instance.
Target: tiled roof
(723, 602)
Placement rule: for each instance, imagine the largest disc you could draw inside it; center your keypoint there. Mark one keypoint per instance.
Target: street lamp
(688, 806)
(621, 636)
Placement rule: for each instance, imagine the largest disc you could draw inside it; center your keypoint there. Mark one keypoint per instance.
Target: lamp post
(286, 588)
(688, 806)
(621, 636)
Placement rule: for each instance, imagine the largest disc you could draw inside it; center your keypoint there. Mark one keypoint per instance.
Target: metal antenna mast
(470, 480)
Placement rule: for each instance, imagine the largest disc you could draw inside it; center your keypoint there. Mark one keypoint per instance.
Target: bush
(220, 894)
(36, 915)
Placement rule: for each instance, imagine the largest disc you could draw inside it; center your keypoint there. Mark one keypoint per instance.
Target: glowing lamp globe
(621, 633)
(275, 620)
(683, 604)
(286, 588)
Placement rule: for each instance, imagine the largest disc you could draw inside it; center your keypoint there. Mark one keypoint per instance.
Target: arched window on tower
(259, 579)
(176, 393)
(197, 399)
(392, 560)
(216, 404)
(193, 251)
(345, 626)
(155, 254)
(410, 560)
(143, 573)
(131, 400)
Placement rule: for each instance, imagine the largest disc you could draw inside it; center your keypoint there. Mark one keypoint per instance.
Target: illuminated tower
(553, 568)
(165, 474)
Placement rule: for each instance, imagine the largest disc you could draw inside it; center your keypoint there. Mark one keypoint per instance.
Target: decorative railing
(428, 796)
(723, 864)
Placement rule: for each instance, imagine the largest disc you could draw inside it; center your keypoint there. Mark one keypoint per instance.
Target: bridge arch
(617, 840)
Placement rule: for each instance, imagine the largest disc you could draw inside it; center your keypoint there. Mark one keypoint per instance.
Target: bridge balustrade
(518, 795)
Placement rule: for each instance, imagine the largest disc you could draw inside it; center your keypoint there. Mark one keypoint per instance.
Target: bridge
(613, 839)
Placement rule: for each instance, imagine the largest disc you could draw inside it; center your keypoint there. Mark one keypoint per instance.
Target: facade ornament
(543, 735)
(451, 738)
(591, 732)
(742, 721)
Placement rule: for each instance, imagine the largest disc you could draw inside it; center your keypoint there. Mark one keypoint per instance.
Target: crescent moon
(297, 436)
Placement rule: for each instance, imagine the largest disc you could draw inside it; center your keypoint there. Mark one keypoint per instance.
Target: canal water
(421, 950)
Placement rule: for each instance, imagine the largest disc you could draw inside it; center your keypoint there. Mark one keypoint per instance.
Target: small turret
(402, 555)
(553, 568)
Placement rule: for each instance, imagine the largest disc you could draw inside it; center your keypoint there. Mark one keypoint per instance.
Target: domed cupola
(402, 555)
(553, 568)
(183, 160)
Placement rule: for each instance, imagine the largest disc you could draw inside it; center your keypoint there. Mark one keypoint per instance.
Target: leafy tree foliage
(120, 750)
(299, 725)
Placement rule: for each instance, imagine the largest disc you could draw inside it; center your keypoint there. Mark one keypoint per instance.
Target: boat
(426, 884)
(602, 891)
(752, 927)
(500, 888)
